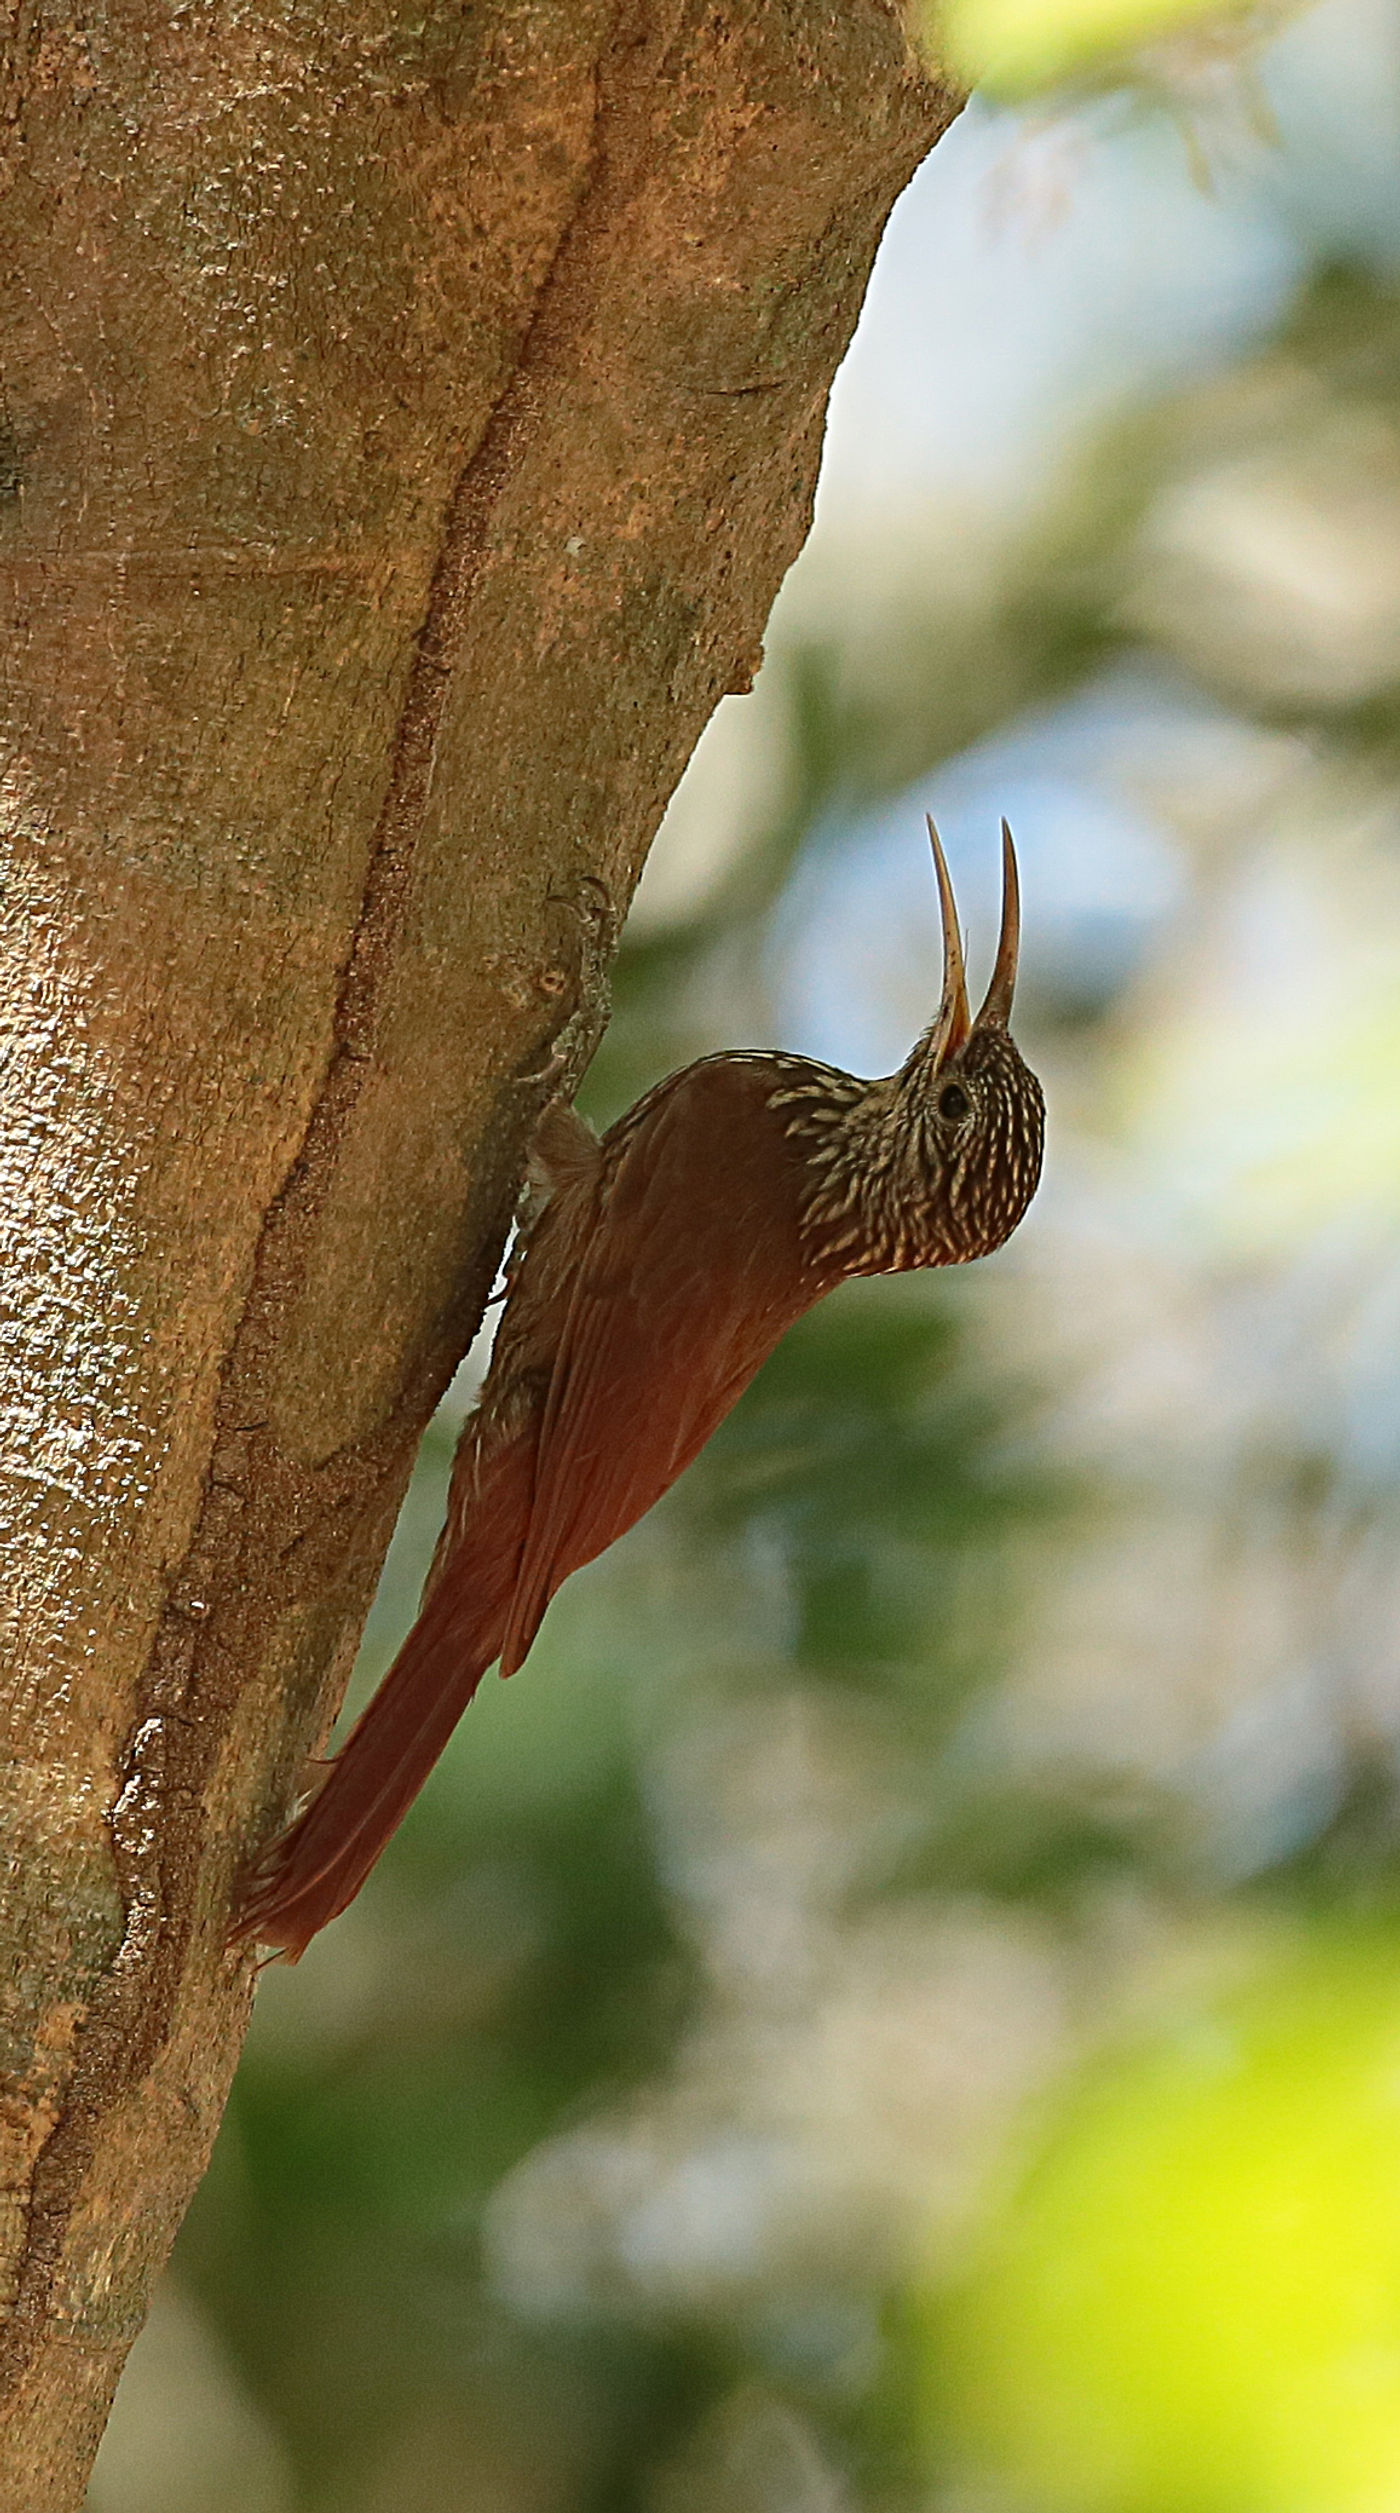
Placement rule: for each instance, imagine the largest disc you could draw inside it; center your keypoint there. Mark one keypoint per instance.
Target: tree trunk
(410, 413)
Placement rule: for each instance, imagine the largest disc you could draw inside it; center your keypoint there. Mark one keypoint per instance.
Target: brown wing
(692, 1274)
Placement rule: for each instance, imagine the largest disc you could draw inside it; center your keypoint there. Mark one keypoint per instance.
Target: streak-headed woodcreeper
(658, 1269)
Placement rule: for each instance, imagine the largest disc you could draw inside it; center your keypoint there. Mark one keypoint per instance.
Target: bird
(654, 1271)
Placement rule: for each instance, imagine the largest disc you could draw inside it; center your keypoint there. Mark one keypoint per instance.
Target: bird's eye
(953, 1102)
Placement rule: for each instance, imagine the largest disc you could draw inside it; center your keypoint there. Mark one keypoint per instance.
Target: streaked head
(971, 1102)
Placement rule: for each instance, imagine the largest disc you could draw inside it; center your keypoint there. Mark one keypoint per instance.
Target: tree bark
(409, 414)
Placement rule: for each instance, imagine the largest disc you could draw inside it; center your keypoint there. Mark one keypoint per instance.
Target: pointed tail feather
(316, 1867)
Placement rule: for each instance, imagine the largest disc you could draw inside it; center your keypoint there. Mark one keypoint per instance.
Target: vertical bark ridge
(131, 2016)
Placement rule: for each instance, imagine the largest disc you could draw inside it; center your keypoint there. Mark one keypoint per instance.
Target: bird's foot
(573, 1045)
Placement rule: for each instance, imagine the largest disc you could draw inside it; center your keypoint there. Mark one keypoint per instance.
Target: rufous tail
(309, 1873)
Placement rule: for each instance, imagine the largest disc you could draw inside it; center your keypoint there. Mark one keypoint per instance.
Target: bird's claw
(572, 1047)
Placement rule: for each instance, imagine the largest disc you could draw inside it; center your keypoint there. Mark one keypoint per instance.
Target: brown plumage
(661, 1268)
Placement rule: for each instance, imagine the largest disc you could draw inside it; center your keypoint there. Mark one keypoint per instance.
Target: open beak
(996, 1006)
(954, 1020)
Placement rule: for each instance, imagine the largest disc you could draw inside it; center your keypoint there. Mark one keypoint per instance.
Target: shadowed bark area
(408, 415)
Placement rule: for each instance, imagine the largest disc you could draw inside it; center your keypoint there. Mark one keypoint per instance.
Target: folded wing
(688, 1283)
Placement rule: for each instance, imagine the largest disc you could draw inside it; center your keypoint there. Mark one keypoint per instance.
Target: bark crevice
(132, 2012)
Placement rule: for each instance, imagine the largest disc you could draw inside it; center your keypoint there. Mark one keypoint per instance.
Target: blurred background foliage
(896, 2009)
